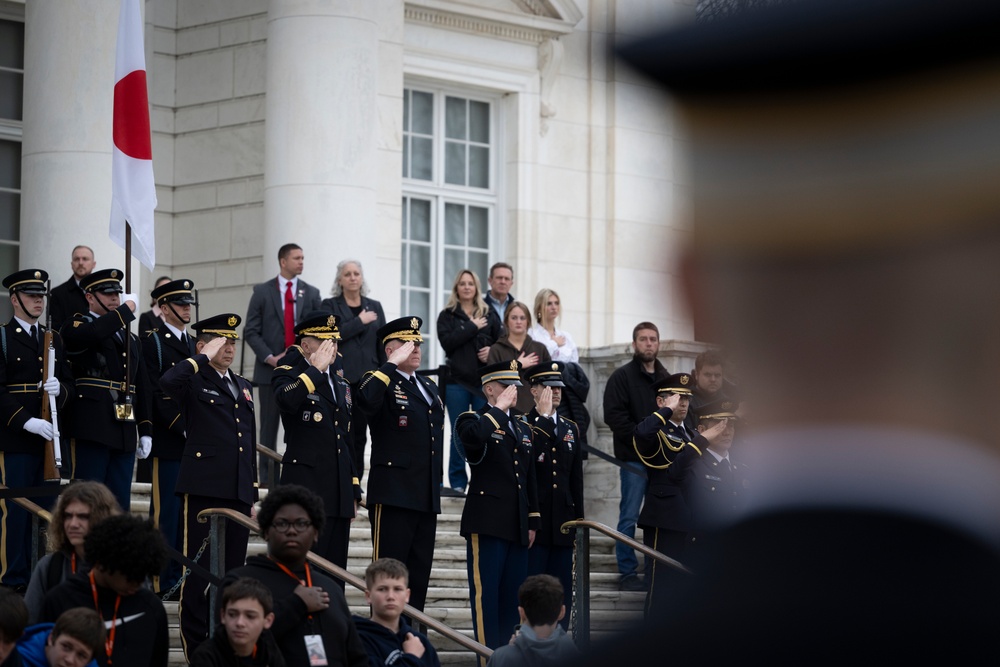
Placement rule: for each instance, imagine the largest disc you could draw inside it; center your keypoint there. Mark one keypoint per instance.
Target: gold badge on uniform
(330, 321)
(414, 323)
(555, 366)
(187, 284)
(317, 417)
(232, 320)
(38, 274)
(513, 365)
(684, 379)
(114, 274)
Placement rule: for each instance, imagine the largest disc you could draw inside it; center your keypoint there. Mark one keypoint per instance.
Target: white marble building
(418, 136)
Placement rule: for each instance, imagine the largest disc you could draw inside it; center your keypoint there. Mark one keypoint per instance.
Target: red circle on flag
(131, 116)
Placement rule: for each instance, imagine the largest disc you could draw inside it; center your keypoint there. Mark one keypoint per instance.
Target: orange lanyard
(109, 642)
(72, 562)
(309, 580)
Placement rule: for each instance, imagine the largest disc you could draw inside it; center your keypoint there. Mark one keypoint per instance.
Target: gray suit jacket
(265, 321)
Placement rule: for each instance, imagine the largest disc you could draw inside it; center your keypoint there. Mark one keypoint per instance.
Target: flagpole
(128, 328)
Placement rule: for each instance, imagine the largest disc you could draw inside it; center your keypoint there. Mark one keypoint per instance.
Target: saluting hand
(322, 356)
(672, 401)
(212, 347)
(507, 398)
(544, 402)
(401, 353)
(713, 432)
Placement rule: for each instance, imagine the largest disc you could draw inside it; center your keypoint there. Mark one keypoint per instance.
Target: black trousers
(662, 579)
(333, 542)
(408, 536)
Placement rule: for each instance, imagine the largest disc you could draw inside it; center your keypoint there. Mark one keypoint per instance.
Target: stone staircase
(448, 598)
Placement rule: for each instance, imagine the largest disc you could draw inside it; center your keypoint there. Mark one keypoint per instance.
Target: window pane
(454, 163)
(406, 110)
(422, 158)
(12, 45)
(406, 157)
(454, 224)
(479, 262)
(11, 93)
(8, 261)
(420, 305)
(10, 164)
(479, 227)
(454, 118)
(10, 215)
(454, 261)
(402, 267)
(420, 220)
(479, 122)
(479, 166)
(420, 266)
(422, 108)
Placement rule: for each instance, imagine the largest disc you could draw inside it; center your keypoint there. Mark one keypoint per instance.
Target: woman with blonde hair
(81, 506)
(466, 329)
(558, 342)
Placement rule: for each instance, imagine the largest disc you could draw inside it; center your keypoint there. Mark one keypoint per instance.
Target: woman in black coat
(358, 318)
(466, 329)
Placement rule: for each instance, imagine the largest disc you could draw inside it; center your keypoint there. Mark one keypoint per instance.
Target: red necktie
(289, 316)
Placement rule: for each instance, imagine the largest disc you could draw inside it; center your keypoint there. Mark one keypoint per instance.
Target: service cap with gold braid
(318, 324)
(404, 329)
(504, 372)
(818, 128)
(219, 325)
(678, 383)
(176, 291)
(720, 408)
(28, 281)
(548, 374)
(105, 281)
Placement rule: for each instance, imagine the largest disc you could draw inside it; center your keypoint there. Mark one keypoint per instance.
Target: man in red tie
(274, 308)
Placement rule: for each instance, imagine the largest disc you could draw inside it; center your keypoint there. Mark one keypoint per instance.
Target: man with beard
(312, 623)
(163, 348)
(218, 466)
(68, 299)
(628, 399)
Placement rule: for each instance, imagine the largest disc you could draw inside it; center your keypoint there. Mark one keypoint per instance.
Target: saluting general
(315, 402)
(110, 419)
(23, 433)
(218, 468)
(404, 483)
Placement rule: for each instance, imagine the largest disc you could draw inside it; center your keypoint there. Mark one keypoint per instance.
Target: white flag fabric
(133, 193)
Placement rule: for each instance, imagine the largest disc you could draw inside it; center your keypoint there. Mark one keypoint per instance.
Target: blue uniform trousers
(497, 568)
(111, 467)
(557, 561)
(18, 470)
(165, 511)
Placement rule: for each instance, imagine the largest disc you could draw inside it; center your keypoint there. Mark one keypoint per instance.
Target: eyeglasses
(282, 526)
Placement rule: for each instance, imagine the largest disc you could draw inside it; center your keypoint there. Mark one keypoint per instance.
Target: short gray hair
(337, 290)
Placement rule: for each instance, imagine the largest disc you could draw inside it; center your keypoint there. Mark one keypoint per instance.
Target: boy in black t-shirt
(242, 638)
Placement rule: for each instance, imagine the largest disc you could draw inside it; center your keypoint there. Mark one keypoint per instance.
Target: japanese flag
(133, 193)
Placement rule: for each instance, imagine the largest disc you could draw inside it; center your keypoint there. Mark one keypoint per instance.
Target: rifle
(53, 452)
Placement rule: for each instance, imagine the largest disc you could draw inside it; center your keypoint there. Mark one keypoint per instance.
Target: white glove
(145, 446)
(134, 298)
(39, 427)
(51, 386)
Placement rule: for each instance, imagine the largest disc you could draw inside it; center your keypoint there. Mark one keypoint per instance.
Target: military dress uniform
(665, 518)
(316, 412)
(406, 417)
(21, 451)
(104, 444)
(559, 471)
(500, 509)
(218, 467)
(162, 349)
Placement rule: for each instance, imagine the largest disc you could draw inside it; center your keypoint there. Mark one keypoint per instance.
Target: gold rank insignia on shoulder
(76, 324)
(284, 368)
(232, 321)
(414, 323)
(513, 365)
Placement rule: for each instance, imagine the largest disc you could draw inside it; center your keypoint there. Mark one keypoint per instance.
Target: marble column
(321, 133)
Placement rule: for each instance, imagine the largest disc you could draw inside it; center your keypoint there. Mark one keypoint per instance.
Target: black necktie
(184, 339)
(34, 334)
(329, 386)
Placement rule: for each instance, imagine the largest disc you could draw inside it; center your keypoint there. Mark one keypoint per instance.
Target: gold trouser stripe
(478, 602)
(180, 607)
(378, 532)
(652, 582)
(156, 510)
(4, 534)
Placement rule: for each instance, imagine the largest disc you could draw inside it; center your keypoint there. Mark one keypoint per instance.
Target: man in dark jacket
(404, 485)
(311, 617)
(316, 406)
(69, 299)
(628, 399)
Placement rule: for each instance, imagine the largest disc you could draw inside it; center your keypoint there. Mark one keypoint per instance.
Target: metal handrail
(269, 453)
(218, 515)
(581, 573)
(38, 514)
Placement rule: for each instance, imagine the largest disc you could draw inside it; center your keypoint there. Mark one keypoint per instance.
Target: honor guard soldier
(559, 471)
(219, 464)
(501, 511)
(107, 411)
(23, 389)
(163, 348)
(315, 402)
(406, 417)
(665, 518)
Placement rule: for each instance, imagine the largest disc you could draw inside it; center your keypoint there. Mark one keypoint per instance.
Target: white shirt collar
(24, 325)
